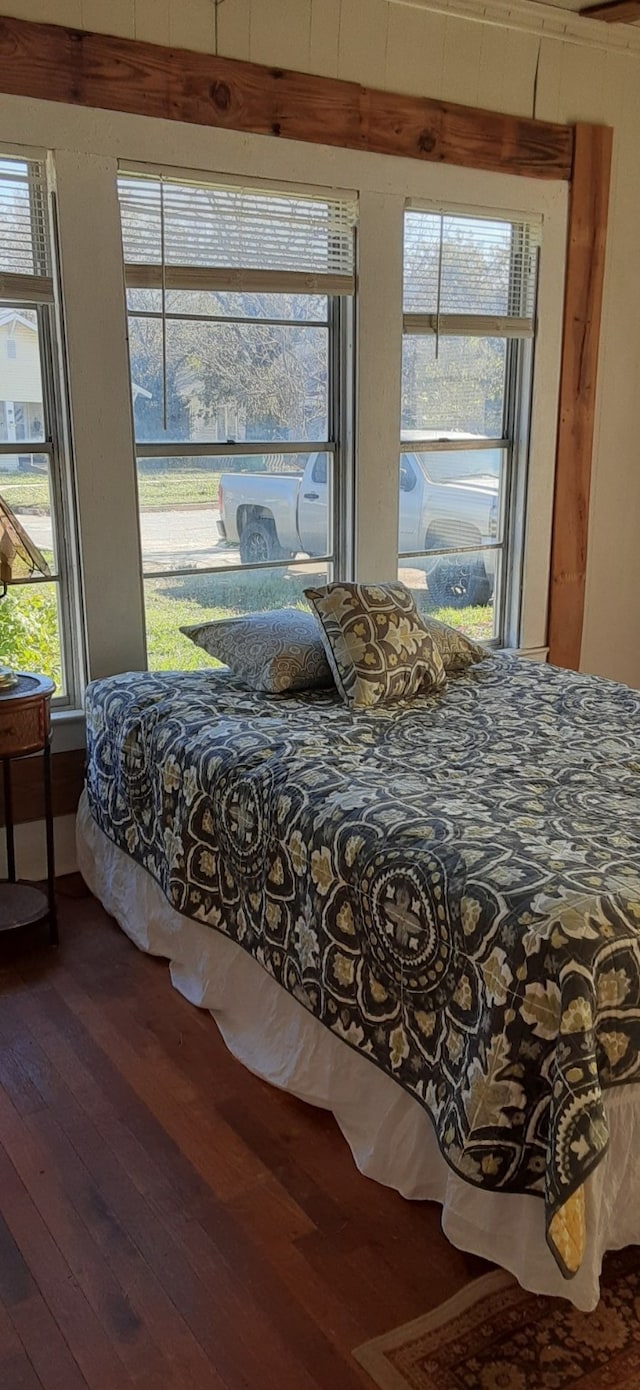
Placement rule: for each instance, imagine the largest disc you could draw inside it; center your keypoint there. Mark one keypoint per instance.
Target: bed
(425, 917)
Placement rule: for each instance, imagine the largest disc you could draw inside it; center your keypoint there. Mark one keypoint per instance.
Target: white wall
(524, 58)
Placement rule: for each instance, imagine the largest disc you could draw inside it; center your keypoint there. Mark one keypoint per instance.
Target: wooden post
(587, 233)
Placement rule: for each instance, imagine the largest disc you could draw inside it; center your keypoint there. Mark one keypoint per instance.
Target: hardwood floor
(167, 1221)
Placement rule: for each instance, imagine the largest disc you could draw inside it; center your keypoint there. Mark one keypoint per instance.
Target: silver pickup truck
(443, 505)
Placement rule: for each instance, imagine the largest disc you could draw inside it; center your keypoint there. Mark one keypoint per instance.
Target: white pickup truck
(276, 516)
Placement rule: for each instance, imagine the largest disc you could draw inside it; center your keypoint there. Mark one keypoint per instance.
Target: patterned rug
(494, 1336)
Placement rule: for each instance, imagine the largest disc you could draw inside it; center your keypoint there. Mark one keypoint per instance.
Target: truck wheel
(259, 542)
(459, 583)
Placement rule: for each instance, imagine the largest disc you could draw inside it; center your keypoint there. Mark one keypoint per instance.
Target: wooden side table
(25, 729)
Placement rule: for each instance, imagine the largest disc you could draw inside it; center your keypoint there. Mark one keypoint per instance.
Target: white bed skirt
(390, 1136)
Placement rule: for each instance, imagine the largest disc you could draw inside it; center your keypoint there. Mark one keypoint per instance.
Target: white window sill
(69, 730)
(531, 653)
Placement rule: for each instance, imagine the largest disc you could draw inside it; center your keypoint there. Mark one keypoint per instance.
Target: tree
(268, 379)
(461, 389)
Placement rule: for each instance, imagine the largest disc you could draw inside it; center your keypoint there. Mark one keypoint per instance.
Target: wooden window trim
(76, 67)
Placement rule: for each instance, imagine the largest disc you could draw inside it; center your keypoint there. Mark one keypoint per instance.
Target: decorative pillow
(273, 652)
(376, 642)
(457, 651)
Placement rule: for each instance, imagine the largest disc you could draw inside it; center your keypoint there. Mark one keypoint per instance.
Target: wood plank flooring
(167, 1221)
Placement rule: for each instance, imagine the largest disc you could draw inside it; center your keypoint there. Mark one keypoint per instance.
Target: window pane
(307, 307)
(199, 512)
(450, 498)
(21, 406)
(443, 593)
(454, 386)
(229, 381)
(25, 486)
(30, 631)
(201, 598)
(447, 500)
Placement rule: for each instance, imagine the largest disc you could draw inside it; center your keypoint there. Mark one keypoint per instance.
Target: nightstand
(25, 729)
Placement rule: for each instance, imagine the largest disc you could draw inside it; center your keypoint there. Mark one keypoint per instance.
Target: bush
(29, 637)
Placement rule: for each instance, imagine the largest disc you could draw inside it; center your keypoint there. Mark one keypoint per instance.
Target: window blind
(179, 235)
(469, 275)
(25, 256)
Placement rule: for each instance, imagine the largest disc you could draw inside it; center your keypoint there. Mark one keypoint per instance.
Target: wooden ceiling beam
(613, 11)
(53, 63)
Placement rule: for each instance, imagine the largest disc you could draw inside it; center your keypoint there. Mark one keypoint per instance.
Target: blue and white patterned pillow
(376, 643)
(272, 652)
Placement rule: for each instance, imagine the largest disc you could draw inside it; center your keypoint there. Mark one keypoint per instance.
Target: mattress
(451, 887)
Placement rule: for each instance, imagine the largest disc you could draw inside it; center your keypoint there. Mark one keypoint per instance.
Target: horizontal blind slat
(469, 266)
(469, 325)
(186, 277)
(237, 229)
(24, 229)
(22, 289)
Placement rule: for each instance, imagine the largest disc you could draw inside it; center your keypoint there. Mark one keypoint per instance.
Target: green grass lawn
(161, 488)
(24, 490)
(171, 604)
(178, 487)
(158, 487)
(29, 638)
(168, 649)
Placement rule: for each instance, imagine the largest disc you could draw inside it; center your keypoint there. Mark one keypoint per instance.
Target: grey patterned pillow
(272, 652)
(457, 651)
(376, 642)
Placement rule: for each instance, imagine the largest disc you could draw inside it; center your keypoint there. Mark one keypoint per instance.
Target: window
(238, 301)
(469, 304)
(37, 615)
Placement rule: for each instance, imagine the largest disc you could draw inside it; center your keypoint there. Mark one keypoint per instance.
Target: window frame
(89, 148)
(514, 441)
(55, 444)
(340, 326)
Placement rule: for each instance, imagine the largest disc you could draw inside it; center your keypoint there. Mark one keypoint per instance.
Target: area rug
(494, 1336)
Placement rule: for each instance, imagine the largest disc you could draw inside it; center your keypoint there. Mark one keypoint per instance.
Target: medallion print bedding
(451, 885)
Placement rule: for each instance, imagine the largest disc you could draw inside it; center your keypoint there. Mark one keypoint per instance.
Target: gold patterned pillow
(376, 643)
(458, 651)
(272, 652)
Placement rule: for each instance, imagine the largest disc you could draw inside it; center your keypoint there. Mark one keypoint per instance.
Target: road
(181, 539)
(184, 539)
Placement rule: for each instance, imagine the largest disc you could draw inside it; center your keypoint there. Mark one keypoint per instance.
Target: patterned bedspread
(451, 886)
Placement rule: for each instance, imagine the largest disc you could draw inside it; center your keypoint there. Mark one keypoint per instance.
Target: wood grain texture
(25, 721)
(167, 1219)
(67, 780)
(614, 12)
(587, 234)
(73, 66)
